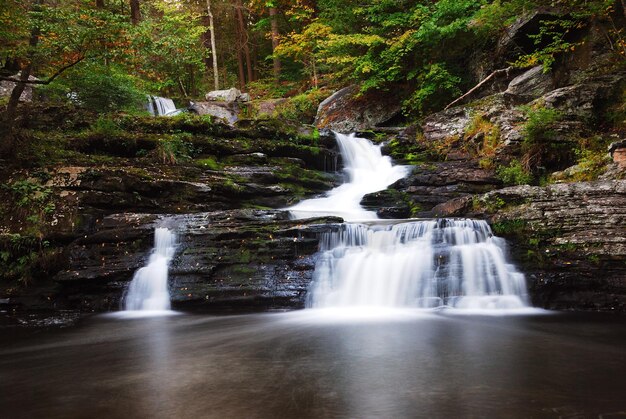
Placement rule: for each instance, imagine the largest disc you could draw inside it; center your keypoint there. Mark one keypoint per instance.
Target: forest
(108, 54)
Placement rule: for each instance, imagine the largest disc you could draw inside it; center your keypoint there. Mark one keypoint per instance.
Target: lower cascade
(421, 264)
(148, 291)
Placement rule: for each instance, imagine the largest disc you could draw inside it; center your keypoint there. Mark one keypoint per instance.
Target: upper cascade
(366, 170)
(162, 106)
(420, 264)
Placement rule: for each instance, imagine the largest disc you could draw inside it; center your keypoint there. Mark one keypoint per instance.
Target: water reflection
(290, 366)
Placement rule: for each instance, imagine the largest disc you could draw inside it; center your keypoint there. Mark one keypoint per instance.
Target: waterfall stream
(420, 264)
(162, 106)
(366, 171)
(148, 291)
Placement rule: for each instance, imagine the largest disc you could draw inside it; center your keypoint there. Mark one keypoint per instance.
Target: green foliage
(436, 87)
(209, 162)
(174, 149)
(106, 127)
(540, 124)
(550, 42)
(514, 174)
(508, 227)
(301, 108)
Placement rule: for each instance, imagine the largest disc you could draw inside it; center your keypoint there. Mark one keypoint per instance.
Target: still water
(407, 364)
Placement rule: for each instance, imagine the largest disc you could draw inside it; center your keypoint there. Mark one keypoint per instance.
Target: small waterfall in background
(148, 291)
(366, 171)
(162, 106)
(419, 264)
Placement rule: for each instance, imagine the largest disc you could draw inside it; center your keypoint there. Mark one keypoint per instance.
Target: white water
(366, 171)
(162, 106)
(421, 264)
(148, 291)
(413, 264)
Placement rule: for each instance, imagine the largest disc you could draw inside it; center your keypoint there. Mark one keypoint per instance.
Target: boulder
(618, 153)
(229, 96)
(6, 87)
(227, 111)
(529, 85)
(346, 111)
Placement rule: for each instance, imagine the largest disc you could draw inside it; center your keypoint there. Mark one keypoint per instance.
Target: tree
(216, 77)
(135, 12)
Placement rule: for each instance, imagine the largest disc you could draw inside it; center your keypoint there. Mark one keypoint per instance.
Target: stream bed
(318, 364)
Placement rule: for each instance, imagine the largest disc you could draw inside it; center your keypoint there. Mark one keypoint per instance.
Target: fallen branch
(49, 80)
(495, 74)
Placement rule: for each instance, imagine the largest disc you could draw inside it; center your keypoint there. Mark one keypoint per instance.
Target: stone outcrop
(346, 112)
(226, 260)
(570, 239)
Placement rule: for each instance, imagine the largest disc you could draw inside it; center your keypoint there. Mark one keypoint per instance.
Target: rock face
(227, 260)
(570, 238)
(345, 112)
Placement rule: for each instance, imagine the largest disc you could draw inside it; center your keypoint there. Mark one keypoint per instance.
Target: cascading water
(148, 291)
(366, 170)
(162, 106)
(423, 264)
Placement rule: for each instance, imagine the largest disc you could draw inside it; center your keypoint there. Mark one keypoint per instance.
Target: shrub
(514, 174)
(97, 87)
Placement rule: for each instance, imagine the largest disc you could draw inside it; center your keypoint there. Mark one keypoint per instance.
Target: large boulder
(346, 111)
(530, 85)
(229, 96)
(6, 87)
(227, 111)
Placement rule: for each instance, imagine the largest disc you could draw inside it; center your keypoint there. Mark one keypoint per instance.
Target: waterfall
(421, 264)
(162, 106)
(148, 291)
(366, 171)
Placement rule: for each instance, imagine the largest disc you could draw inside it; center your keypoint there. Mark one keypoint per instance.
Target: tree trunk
(216, 77)
(239, 50)
(14, 100)
(135, 12)
(100, 4)
(275, 35)
(244, 40)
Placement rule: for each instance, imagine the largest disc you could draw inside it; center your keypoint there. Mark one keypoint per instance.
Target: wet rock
(388, 204)
(344, 112)
(235, 260)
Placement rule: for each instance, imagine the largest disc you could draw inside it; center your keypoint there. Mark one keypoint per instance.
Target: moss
(208, 162)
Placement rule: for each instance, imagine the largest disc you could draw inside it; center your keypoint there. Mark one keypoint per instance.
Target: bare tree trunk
(16, 93)
(100, 4)
(239, 49)
(216, 76)
(244, 39)
(275, 35)
(135, 12)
